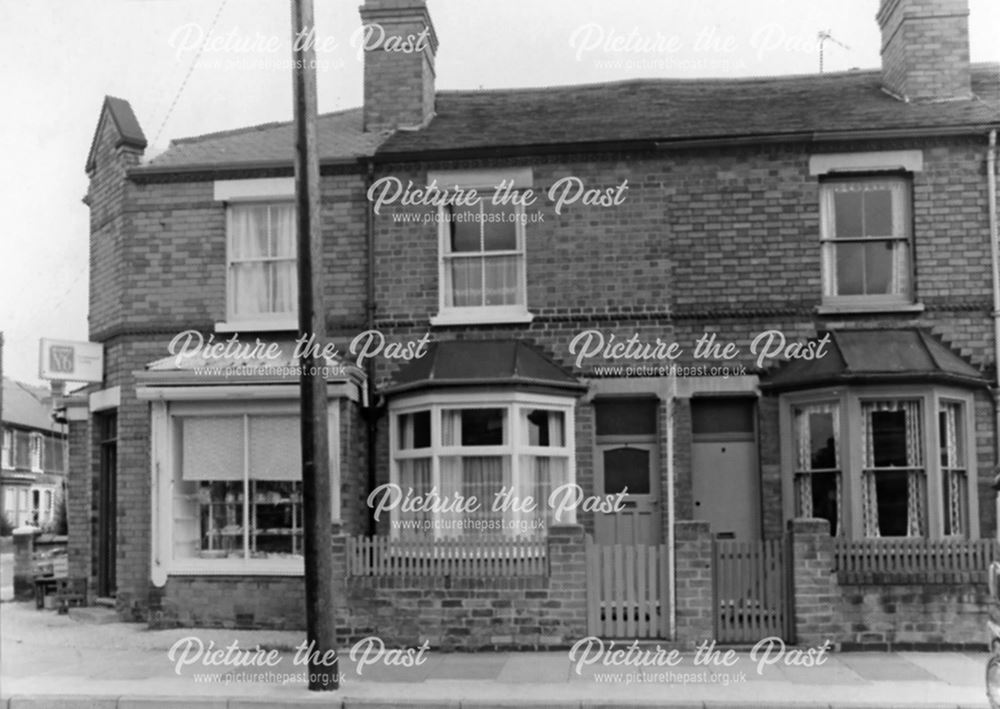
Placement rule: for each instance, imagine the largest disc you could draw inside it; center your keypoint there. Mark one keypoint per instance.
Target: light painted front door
(631, 468)
(725, 480)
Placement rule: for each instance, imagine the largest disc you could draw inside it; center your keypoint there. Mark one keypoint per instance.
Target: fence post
(815, 592)
(693, 574)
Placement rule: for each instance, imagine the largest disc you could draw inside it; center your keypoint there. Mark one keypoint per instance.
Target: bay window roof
(484, 363)
(908, 355)
(278, 367)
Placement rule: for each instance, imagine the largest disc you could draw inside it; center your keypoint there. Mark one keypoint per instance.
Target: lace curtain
(486, 280)
(804, 461)
(914, 461)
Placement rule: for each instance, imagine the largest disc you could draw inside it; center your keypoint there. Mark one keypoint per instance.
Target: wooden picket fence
(627, 590)
(480, 557)
(858, 561)
(752, 590)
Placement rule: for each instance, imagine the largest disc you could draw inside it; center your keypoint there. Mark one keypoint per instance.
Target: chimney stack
(400, 45)
(925, 49)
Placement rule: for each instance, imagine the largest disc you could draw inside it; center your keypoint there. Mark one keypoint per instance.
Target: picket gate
(627, 590)
(752, 590)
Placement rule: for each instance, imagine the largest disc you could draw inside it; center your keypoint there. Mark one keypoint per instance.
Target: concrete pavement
(47, 660)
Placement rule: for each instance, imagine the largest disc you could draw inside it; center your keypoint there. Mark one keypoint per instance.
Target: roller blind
(212, 448)
(275, 450)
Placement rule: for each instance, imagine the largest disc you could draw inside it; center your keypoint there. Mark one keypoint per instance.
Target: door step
(106, 601)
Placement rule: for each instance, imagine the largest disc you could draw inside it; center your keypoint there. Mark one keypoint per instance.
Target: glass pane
(221, 505)
(465, 226)
(414, 475)
(415, 430)
(275, 519)
(626, 470)
(878, 267)
(824, 498)
(620, 417)
(850, 268)
(889, 439)
(499, 229)
(483, 427)
(878, 213)
(847, 214)
(545, 428)
(282, 231)
(503, 277)
(722, 415)
(824, 452)
(466, 282)
(892, 494)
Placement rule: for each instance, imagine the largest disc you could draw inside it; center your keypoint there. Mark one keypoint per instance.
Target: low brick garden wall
(529, 612)
(547, 608)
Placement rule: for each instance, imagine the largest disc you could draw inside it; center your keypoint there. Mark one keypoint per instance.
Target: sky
(190, 67)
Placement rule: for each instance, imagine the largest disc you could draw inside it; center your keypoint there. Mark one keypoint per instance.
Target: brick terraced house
(812, 460)
(32, 456)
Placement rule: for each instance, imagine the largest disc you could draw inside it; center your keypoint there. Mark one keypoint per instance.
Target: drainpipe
(671, 587)
(371, 411)
(991, 182)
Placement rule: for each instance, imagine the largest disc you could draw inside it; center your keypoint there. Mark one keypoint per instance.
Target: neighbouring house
(812, 459)
(33, 456)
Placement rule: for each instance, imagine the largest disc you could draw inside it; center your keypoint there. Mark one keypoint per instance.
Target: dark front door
(107, 503)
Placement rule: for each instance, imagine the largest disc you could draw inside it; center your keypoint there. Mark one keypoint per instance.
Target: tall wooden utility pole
(320, 624)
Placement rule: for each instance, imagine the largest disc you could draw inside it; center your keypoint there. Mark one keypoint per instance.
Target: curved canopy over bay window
(487, 428)
(226, 461)
(878, 436)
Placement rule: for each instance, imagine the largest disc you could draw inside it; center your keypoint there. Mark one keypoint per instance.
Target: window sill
(483, 317)
(868, 308)
(257, 326)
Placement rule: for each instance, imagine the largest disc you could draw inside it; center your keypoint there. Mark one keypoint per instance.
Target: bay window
(881, 461)
(227, 487)
(502, 452)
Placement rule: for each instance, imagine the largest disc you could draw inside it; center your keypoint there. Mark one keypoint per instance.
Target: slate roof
(647, 110)
(27, 406)
(879, 355)
(672, 109)
(340, 138)
(482, 363)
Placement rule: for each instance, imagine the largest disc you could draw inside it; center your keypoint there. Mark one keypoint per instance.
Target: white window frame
(236, 193)
(514, 404)
(7, 449)
(484, 182)
(35, 445)
(931, 397)
(165, 417)
(903, 234)
(838, 470)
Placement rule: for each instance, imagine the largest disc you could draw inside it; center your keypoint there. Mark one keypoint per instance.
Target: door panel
(725, 480)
